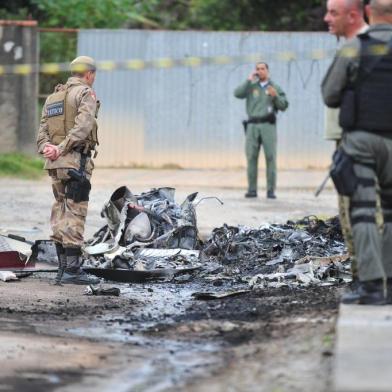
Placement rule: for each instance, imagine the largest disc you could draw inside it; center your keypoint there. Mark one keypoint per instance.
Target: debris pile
(146, 232)
(151, 237)
(300, 253)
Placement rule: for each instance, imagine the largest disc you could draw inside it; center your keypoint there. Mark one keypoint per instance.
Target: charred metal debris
(150, 237)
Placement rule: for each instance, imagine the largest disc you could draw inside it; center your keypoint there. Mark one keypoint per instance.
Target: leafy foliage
(171, 14)
(90, 13)
(234, 15)
(256, 14)
(21, 166)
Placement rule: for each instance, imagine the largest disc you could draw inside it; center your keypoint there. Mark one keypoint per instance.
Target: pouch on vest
(342, 173)
(365, 101)
(347, 114)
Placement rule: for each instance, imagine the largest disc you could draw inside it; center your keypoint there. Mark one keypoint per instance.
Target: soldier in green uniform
(362, 87)
(66, 137)
(263, 100)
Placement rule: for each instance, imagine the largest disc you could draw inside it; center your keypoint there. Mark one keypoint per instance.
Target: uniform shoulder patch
(55, 109)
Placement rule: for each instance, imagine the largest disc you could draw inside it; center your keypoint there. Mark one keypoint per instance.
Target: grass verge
(21, 166)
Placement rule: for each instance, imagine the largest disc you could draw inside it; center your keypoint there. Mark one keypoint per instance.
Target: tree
(172, 14)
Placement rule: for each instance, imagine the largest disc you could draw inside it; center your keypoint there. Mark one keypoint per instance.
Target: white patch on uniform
(93, 95)
(55, 109)
(18, 53)
(8, 46)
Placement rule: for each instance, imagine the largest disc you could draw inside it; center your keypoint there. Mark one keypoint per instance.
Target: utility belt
(268, 118)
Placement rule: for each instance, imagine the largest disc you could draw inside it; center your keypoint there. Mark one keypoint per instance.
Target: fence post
(18, 93)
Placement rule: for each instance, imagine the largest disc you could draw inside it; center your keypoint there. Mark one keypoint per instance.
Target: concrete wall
(18, 94)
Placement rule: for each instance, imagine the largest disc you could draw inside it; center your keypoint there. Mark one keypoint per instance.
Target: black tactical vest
(373, 88)
(367, 105)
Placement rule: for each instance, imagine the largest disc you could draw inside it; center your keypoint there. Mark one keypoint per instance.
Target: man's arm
(280, 100)
(337, 77)
(43, 132)
(84, 122)
(241, 91)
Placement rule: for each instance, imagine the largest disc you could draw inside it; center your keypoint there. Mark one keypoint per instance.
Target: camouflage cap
(83, 64)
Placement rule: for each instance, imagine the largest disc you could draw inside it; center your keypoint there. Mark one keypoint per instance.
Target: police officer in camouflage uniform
(362, 87)
(263, 100)
(345, 19)
(67, 136)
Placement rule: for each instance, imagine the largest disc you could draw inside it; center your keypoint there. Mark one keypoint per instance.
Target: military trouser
(68, 217)
(344, 217)
(256, 135)
(372, 156)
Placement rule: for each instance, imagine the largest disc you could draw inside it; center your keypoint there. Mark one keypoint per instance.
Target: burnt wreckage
(148, 234)
(151, 237)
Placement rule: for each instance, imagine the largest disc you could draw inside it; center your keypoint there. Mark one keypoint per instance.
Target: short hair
(358, 4)
(263, 63)
(381, 7)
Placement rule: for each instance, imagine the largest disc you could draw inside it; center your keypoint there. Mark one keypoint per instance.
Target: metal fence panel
(189, 117)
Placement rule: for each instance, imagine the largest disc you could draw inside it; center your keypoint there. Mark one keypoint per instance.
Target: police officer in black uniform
(361, 85)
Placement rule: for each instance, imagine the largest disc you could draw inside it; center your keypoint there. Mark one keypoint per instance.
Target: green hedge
(21, 166)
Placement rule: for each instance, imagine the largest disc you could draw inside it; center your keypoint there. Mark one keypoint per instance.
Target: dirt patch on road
(262, 340)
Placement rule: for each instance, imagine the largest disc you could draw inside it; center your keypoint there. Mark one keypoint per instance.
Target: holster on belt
(78, 186)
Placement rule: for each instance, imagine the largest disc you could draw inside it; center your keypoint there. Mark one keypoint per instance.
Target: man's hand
(271, 91)
(51, 151)
(252, 76)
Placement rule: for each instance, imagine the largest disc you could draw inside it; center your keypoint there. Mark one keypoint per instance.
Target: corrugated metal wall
(189, 116)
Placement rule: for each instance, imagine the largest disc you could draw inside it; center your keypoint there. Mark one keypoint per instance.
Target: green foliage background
(171, 14)
(20, 165)
(232, 15)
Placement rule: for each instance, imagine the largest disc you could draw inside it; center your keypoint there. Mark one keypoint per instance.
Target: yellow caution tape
(135, 65)
(23, 69)
(192, 62)
(107, 65)
(50, 69)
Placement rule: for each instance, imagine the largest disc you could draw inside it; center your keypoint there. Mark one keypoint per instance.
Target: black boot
(370, 292)
(271, 195)
(250, 194)
(73, 273)
(389, 291)
(62, 263)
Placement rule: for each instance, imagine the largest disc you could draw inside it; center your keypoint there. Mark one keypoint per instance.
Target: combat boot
(271, 194)
(389, 291)
(250, 194)
(370, 292)
(62, 263)
(73, 273)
